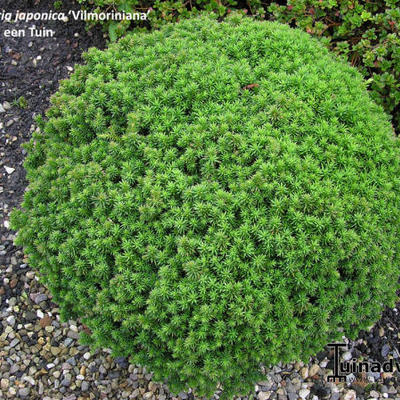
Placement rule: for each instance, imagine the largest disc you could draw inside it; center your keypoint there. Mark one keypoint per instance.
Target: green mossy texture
(202, 226)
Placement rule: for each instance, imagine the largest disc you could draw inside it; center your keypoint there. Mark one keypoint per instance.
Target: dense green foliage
(213, 196)
(366, 33)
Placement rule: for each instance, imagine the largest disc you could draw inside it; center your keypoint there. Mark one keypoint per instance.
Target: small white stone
(29, 379)
(40, 314)
(304, 372)
(30, 274)
(350, 395)
(303, 393)
(9, 170)
(4, 383)
(314, 370)
(7, 224)
(8, 329)
(264, 395)
(347, 356)
(86, 356)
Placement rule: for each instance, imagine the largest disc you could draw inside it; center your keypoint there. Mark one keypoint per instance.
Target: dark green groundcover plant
(211, 197)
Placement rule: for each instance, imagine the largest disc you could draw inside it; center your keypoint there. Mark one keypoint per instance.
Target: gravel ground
(40, 357)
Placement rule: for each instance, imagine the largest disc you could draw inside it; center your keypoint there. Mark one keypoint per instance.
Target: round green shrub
(212, 197)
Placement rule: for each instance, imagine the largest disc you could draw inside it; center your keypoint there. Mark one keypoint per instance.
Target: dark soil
(30, 68)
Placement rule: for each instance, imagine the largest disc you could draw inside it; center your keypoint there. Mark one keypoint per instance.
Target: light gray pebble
(373, 375)
(113, 374)
(40, 297)
(303, 393)
(134, 394)
(277, 378)
(102, 370)
(73, 335)
(68, 342)
(264, 395)
(347, 356)
(30, 380)
(335, 396)
(385, 350)
(12, 302)
(66, 366)
(67, 380)
(24, 392)
(11, 320)
(14, 342)
(14, 368)
(350, 378)
(71, 361)
(290, 387)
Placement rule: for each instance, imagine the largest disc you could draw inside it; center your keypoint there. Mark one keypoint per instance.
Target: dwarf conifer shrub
(211, 197)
